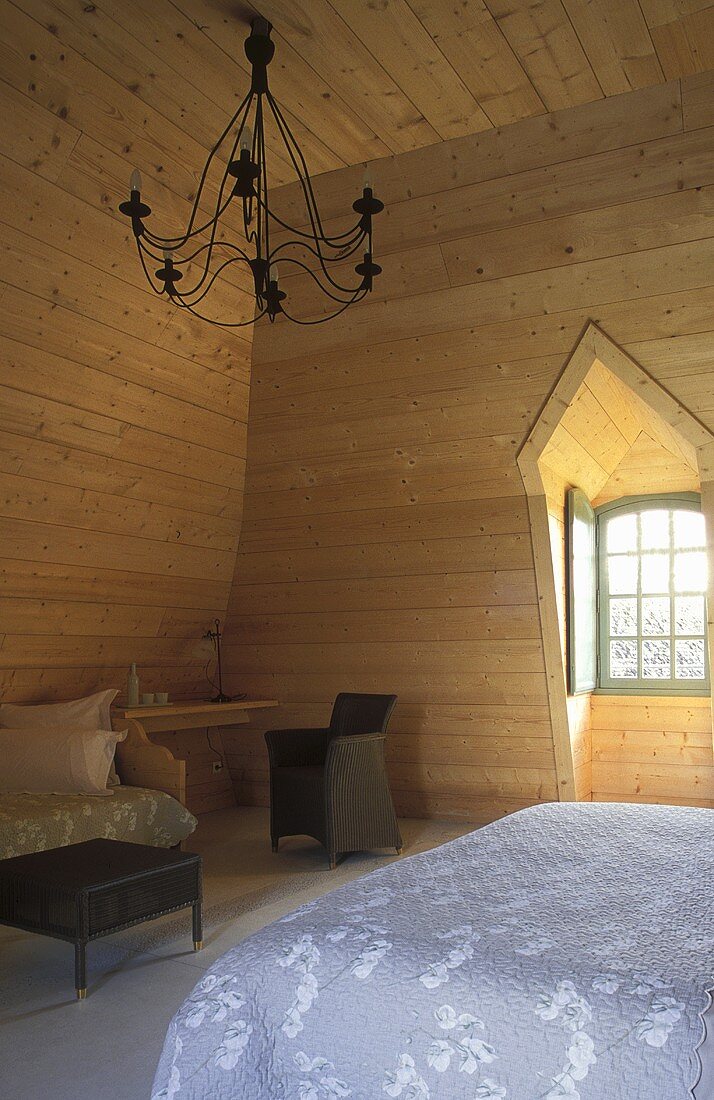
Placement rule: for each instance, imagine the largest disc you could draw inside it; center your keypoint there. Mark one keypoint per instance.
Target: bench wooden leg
(80, 969)
(197, 926)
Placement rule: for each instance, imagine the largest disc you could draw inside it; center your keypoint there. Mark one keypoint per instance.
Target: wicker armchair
(331, 783)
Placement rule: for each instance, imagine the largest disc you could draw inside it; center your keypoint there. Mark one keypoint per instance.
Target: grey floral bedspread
(565, 951)
(35, 822)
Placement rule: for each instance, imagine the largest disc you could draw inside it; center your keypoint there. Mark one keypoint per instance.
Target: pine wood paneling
(651, 749)
(544, 39)
(122, 429)
(357, 81)
(382, 487)
(385, 544)
(648, 464)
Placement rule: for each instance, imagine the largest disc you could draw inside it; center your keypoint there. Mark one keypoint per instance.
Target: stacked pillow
(59, 747)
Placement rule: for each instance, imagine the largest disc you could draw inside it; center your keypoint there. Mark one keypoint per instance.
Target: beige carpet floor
(53, 1047)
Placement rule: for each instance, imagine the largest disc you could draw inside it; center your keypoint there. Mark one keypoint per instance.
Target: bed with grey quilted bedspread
(565, 951)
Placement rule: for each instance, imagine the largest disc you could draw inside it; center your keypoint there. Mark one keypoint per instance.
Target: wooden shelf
(175, 716)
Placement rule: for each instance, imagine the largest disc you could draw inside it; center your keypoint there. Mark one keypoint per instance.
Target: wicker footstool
(84, 891)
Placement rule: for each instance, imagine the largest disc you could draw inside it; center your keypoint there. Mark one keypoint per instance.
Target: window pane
(655, 572)
(689, 660)
(688, 529)
(622, 534)
(623, 660)
(656, 660)
(689, 615)
(622, 574)
(655, 530)
(655, 615)
(623, 617)
(690, 571)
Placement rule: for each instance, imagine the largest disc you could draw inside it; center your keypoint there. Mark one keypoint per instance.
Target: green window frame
(651, 597)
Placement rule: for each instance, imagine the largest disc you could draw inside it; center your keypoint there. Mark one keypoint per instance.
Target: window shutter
(581, 554)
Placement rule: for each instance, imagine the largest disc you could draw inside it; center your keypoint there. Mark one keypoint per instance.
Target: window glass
(655, 529)
(621, 534)
(689, 529)
(653, 580)
(622, 572)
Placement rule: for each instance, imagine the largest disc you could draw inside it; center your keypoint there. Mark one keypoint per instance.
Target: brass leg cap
(81, 993)
(197, 945)
(399, 851)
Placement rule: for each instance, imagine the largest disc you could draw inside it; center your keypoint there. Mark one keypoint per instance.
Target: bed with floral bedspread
(565, 951)
(35, 822)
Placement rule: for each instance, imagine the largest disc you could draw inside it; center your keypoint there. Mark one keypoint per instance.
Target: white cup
(147, 699)
(162, 698)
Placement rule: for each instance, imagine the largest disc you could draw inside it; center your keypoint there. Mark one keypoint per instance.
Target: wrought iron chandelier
(204, 251)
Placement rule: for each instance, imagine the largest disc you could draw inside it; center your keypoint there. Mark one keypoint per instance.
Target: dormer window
(650, 570)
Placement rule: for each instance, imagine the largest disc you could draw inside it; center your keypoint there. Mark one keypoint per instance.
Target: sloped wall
(122, 427)
(385, 542)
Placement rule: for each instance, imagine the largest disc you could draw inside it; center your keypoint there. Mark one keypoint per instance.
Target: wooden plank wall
(385, 542)
(122, 426)
(650, 749)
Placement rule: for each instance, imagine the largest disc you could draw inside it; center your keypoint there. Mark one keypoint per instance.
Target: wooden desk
(163, 750)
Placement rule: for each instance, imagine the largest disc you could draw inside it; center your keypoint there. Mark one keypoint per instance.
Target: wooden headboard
(141, 763)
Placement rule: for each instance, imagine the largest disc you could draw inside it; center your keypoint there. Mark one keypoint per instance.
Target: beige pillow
(90, 713)
(57, 761)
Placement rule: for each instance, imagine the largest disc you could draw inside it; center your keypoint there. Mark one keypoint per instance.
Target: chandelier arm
(156, 289)
(344, 255)
(304, 176)
(330, 316)
(208, 247)
(335, 259)
(260, 126)
(179, 242)
(244, 104)
(324, 289)
(179, 262)
(219, 207)
(186, 294)
(330, 241)
(313, 275)
(305, 183)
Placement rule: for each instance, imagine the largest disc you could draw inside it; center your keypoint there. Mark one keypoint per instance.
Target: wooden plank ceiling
(361, 79)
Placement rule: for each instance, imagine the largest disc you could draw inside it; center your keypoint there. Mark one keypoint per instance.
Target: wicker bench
(81, 892)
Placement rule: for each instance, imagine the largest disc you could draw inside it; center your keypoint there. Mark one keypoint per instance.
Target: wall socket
(217, 766)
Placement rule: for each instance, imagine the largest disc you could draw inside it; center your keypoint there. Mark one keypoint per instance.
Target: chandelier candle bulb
(236, 174)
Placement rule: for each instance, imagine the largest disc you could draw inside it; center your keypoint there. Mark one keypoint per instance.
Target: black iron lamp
(205, 250)
(215, 637)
